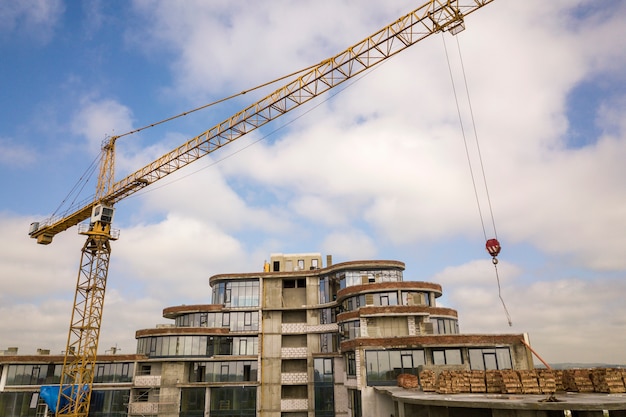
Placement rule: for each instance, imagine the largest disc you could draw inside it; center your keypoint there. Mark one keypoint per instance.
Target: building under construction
(304, 339)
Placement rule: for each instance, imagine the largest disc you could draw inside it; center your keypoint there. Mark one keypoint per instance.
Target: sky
(515, 128)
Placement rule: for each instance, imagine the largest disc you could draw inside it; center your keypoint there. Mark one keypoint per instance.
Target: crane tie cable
(495, 260)
(215, 102)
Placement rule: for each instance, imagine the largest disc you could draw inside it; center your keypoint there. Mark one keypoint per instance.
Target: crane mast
(82, 342)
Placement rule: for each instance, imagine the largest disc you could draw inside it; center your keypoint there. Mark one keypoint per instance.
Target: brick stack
(530, 381)
(558, 380)
(444, 383)
(493, 380)
(477, 381)
(577, 380)
(607, 380)
(462, 381)
(547, 381)
(428, 378)
(408, 381)
(511, 382)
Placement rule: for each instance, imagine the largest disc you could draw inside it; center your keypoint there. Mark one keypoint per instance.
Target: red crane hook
(493, 247)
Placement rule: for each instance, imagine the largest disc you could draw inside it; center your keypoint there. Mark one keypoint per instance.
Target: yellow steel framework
(82, 343)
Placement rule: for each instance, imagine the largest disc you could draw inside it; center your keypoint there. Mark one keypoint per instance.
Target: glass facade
(233, 402)
(44, 374)
(384, 366)
(351, 278)
(192, 402)
(163, 346)
(350, 329)
(104, 403)
(324, 387)
(110, 403)
(18, 404)
(237, 293)
(33, 374)
(114, 372)
(223, 371)
(444, 326)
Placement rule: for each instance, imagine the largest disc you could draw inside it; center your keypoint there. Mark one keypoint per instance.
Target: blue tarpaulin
(50, 394)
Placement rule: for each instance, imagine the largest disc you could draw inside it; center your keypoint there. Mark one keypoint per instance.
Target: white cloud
(16, 155)
(32, 18)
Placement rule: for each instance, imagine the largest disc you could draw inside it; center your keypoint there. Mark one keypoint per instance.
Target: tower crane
(82, 342)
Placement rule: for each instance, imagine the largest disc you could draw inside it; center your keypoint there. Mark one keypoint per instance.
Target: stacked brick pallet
(547, 381)
(577, 380)
(493, 381)
(447, 383)
(477, 381)
(428, 380)
(511, 382)
(530, 381)
(541, 381)
(609, 380)
(558, 379)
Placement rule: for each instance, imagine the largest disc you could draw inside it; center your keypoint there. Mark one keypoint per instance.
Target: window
(384, 366)
(350, 329)
(354, 397)
(237, 293)
(328, 342)
(351, 364)
(490, 358)
(324, 387)
(192, 402)
(350, 278)
(294, 283)
(33, 374)
(445, 326)
(447, 357)
(223, 371)
(314, 264)
(300, 264)
(327, 315)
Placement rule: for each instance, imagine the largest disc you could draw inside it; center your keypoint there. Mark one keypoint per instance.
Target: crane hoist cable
(492, 245)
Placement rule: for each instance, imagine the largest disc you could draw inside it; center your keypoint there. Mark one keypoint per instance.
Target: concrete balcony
(294, 404)
(293, 328)
(294, 378)
(147, 381)
(152, 408)
(323, 328)
(293, 352)
(142, 408)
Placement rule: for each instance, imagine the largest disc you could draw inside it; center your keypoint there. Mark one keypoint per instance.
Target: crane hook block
(493, 247)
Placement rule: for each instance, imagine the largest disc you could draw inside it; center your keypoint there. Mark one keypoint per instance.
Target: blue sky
(376, 170)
